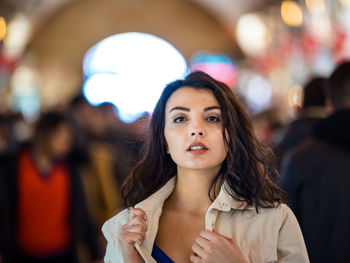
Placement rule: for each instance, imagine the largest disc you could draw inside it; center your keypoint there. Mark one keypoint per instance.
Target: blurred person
(99, 173)
(4, 221)
(101, 124)
(313, 110)
(113, 151)
(203, 191)
(315, 175)
(80, 113)
(266, 124)
(126, 138)
(107, 152)
(22, 130)
(108, 156)
(13, 131)
(48, 214)
(3, 134)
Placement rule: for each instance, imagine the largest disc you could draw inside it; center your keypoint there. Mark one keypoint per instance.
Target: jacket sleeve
(291, 246)
(111, 231)
(111, 256)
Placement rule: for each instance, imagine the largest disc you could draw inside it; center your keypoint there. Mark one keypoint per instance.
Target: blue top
(159, 255)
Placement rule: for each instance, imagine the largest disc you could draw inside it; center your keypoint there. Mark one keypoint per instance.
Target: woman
(48, 217)
(204, 190)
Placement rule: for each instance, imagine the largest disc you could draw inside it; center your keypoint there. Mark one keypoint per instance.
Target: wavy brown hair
(248, 170)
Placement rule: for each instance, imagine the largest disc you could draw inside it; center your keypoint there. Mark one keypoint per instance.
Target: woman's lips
(197, 148)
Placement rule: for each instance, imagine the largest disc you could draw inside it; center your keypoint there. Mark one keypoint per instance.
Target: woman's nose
(193, 133)
(197, 129)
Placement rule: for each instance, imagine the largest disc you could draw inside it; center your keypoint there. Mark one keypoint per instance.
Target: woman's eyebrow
(212, 108)
(180, 108)
(188, 109)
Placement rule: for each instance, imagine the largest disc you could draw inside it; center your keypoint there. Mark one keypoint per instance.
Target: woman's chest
(257, 235)
(177, 233)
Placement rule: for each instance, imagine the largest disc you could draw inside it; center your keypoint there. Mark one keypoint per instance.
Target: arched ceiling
(83, 23)
(64, 30)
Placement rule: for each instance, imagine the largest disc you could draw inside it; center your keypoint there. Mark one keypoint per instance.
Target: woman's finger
(131, 237)
(195, 258)
(137, 212)
(204, 243)
(136, 228)
(209, 235)
(198, 250)
(136, 221)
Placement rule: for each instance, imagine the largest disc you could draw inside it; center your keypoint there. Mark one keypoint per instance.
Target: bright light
(2, 28)
(291, 13)
(18, 33)
(345, 2)
(25, 97)
(295, 96)
(130, 70)
(252, 34)
(316, 6)
(259, 93)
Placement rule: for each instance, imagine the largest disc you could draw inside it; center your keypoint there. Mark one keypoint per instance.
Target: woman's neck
(43, 161)
(191, 191)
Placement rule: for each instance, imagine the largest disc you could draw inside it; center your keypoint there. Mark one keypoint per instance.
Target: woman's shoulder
(112, 226)
(281, 212)
(281, 209)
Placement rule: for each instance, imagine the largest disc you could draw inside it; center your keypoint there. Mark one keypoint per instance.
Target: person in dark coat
(316, 177)
(47, 213)
(313, 110)
(4, 221)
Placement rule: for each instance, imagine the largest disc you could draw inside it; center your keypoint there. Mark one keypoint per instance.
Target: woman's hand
(213, 247)
(133, 232)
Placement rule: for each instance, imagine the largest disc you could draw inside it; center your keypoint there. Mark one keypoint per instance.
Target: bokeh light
(345, 2)
(24, 89)
(316, 6)
(3, 28)
(291, 13)
(259, 93)
(295, 96)
(219, 66)
(130, 70)
(18, 33)
(252, 34)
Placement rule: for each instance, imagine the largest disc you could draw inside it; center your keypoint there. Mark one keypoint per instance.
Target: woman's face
(61, 141)
(193, 129)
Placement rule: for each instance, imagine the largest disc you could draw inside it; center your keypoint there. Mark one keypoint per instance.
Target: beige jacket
(272, 235)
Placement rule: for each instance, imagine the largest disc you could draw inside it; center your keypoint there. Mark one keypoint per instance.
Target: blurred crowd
(60, 180)
(60, 177)
(313, 157)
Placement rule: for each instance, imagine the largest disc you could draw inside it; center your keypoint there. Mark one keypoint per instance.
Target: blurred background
(277, 44)
(105, 62)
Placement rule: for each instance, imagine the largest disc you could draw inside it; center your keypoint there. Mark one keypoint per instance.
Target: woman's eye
(179, 119)
(213, 119)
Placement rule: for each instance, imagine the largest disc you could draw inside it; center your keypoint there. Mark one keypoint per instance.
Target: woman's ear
(166, 146)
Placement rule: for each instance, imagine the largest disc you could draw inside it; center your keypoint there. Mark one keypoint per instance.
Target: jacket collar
(223, 202)
(157, 199)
